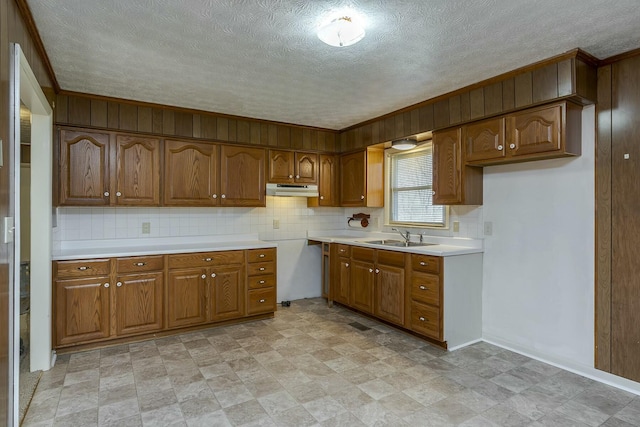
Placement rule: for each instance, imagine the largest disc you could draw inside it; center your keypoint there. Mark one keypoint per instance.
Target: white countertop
(83, 249)
(442, 246)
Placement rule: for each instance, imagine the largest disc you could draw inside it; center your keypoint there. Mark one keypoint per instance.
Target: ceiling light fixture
(404, 143)
(341, 32)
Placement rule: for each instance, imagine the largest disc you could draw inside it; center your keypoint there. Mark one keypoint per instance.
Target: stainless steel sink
(396, 243)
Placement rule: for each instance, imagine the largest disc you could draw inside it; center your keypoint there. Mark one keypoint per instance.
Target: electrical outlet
(146, 228)
(456, 226)
(276, 224)
(488, 228)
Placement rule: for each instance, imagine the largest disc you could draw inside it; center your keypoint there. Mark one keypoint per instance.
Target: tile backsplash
(291, 214)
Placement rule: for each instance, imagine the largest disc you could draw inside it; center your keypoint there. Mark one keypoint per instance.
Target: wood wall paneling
(389, 129)
(183, 124)
(128, 117)
(523, 89)
(99, 113)
(441, 113)
(79, 111)
(196, 126)
(476, 102)
(145, 119)
(284, 137)
(113, 115)
(545, 83)
(222, 129)
(168, 122)
(255, 133)
(508, 94)
(272, 135)
(603, 223)
(586, 80)
(157, 120)
(455, 111)
(208, 127)
(566, 77)
(465, 107)
(61, 110)
(493, 99)
(243, 134)
(426, 117)
(232, 127)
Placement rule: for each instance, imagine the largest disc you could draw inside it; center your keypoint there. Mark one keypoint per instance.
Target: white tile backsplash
(292, 212)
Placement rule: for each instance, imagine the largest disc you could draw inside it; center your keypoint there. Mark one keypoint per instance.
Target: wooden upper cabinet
(328, 181)
(453, 182)
(362, 178)
(535, 131)
(84, 168)
(137, 171)
(242, 172)
(191, 173)
(289, 167)
(484, 140)
(544, 132)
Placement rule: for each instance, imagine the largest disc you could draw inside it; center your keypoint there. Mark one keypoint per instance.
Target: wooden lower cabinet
(105, 299)
(426, 320)
(138, 299)
(342, 289)
(362, 282)
(82, 310)
(186, 297)
(389, 293)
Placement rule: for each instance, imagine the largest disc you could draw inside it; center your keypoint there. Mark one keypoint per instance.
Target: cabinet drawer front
(427, 263)
(426, 288)
(260, 255)
(82, 268)
(391, 258)
(363, 254)
(266, 281)
(425, 320)
(259, 268)
(343, 250)
(206, 259)
(262, 301)
(141, 263)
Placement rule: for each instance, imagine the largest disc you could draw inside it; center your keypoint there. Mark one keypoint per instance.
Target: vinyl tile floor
(317, 366)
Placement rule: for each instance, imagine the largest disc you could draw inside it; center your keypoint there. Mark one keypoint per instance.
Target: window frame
(388, 154)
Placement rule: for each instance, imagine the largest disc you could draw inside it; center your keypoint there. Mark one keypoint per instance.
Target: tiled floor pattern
(309, 367)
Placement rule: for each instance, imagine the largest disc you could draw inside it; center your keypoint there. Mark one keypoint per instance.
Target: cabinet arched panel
(536, 131)
(306, 168)
(190, 174)
(242, 172)
(138, 171)
(484, 140)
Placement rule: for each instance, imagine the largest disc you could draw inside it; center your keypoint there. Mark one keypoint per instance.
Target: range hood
(292, 190)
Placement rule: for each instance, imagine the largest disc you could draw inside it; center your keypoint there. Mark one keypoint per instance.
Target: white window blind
(411, 189)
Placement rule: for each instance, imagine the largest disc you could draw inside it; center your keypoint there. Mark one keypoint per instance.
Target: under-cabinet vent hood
(292, 190)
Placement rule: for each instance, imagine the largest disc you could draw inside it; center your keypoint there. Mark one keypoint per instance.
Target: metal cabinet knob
(423, 287)
(224, 196)
(106, 285)
(207, 259)
(297, 176)
(119, 284)
(261, 256)
(262, 300)
(106, 194)
(83, 268)
(512, 146)
(139, 264)
(214, 196)
(261, 282)
(433, 193)
(371, 270)
(500, 147)
(290, 176)
(213, 274)
(422, 263)
(377, 270)
(361, 197)
(321, 197)
(204, 276)
(422, 319)
(261, 269)
(118, 194)
(346, 264)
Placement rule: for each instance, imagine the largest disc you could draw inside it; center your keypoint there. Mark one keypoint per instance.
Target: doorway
(30, 293)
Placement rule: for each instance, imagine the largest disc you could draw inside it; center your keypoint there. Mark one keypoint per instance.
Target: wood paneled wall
(105, 113)
(13, 29)
(572, 75)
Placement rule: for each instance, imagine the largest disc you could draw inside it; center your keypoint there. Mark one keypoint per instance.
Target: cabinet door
(242, 176)
(84, 168)
(342, 289)
(226, 292)
(447, 167)
(186, 297)
(362, 282)
(82, 310)
(138, 171)
(139, 303)
(389, 294)
(281, 166)
(535, 131)
(484, 140)
(353, 179)
(328, 181)
(306, 168)
(191, 177)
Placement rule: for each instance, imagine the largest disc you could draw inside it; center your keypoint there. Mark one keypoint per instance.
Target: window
(410, 185)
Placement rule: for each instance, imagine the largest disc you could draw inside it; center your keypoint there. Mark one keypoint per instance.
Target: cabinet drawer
(362, 254)
(425, 320)
(427, 263)
(82, 268)
(139, 263)
(260, 255)
(206, 259)
(343, 250)
(262, 301)
(426, 288)
(259, 268)
(391, 258)
(266, 281)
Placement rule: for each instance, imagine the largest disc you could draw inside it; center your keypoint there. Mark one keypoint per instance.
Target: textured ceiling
(262, 58)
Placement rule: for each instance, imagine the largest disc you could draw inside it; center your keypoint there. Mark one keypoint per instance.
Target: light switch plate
(8, 229)
(146, 228)
(488, 228)
(456, 226)
(276, 224)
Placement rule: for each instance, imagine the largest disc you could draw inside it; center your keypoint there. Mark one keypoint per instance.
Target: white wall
(538, 276)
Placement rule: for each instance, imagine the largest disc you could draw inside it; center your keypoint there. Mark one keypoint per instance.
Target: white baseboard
(464, 344)
(54, 356)
(567, 365)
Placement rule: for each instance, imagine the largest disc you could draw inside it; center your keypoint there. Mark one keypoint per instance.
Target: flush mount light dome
(404, 143)
(341, 32)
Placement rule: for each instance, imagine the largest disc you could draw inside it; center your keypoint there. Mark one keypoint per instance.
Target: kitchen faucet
(406, 237)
